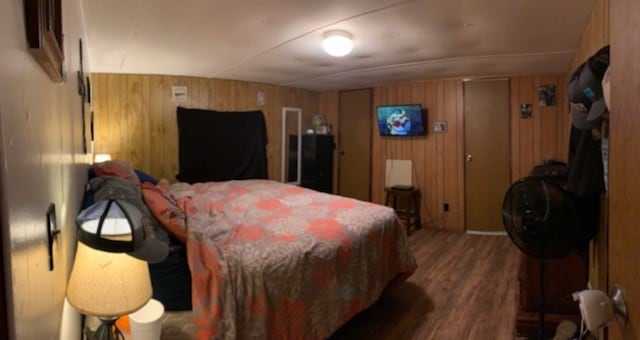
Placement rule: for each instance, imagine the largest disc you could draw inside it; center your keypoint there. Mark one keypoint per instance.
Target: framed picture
(525, 111)
(43, 23)
(547, 95)
(322, 130)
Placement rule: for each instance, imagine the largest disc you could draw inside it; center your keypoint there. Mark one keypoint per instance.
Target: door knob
(468, 158)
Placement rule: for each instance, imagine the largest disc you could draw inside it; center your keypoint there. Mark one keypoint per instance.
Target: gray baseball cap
(114, 226)
(585, 91)
(591, 86)
(580, 102)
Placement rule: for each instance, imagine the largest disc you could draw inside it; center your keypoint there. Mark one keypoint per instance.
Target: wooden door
(486, 134)
(624, 162)
(355, 115)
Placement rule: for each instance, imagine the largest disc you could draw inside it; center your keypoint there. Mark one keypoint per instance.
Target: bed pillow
(117, 169)
(111, 187)
(145, 177)
(142, 176)
(161, 207)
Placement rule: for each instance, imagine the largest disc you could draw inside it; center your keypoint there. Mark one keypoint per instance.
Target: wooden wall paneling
(169, 129)
(418, 147)
(113, 111)
(213, 94)
(624, 162)
(393, 148)
(543, 135)
(439, 158)
(145, 124)
(451, 139)
(328, 103)
(377, 166)
(429, 189)
(203, 93)
(515, 128)
(273, 97)
(594, 36)
(240, 94)
(222, 94)
(195, 101)
(144, 103)
(100, 102)
(123, 150)
(526, 129)
(405, 145)
(461, 224)
(132, 119)
(536, 120)
(564, 119)
(439, 183)
(156, 127)
(547, 123)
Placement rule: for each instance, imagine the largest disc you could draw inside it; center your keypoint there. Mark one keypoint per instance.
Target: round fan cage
(541, 219)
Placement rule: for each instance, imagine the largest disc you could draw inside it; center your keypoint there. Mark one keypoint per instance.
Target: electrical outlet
(446, 207)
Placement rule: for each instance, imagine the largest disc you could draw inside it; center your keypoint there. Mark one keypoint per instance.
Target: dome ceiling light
(337, 43)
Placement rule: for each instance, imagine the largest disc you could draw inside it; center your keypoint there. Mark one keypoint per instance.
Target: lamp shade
(337, 43)
(107, 284)
(101, 157)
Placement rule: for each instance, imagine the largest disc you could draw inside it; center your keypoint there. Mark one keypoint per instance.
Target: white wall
(42, 162)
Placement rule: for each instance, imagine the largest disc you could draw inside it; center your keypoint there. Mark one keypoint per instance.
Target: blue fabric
(145, 177)
(171, 281)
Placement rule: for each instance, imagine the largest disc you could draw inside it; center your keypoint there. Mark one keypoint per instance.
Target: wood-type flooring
(465, 287)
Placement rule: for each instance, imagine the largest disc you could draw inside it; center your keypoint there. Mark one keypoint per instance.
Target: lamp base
(106, 331)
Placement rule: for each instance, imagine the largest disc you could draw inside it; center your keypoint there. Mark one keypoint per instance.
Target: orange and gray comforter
(276, 261)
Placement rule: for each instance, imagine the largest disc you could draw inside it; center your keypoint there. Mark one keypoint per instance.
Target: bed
(267, 260)
(271, 260)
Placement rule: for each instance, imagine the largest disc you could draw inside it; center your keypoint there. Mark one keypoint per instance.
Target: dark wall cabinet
(317, 161)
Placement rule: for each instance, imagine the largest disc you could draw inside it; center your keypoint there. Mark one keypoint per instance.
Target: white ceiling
(279, 41)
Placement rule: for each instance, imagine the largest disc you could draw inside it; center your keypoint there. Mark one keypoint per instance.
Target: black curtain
(221, 146)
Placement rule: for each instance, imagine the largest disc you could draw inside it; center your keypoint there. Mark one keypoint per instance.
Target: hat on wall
(585, 91)
(580, 103)
(591, 86)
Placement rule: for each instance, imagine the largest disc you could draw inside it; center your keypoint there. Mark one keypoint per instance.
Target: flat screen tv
(400, 120)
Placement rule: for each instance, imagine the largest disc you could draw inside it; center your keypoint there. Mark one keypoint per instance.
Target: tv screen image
(400, 120)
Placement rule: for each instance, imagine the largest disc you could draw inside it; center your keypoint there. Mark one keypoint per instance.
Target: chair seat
(406, 203)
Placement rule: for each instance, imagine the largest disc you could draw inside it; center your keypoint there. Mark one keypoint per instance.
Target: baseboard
(492, 233)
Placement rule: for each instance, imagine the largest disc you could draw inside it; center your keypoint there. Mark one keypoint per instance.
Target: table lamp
(106, 281)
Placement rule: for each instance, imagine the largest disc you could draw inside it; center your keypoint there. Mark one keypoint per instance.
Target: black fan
(541, 219)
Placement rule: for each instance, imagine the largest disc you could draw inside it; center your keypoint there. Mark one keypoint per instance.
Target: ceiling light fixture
(337, 43)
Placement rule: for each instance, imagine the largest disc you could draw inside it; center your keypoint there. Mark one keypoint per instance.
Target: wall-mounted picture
(525, 110)
(439, 127)
(43, 24)
(547, 95)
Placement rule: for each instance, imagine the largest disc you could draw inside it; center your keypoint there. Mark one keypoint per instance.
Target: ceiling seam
(132, 30)
(236, 65)
(432, 61)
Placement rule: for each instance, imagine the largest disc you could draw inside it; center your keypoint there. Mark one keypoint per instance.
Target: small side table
(406, 203)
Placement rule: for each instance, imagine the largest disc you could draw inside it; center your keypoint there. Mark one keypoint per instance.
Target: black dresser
(317, 161)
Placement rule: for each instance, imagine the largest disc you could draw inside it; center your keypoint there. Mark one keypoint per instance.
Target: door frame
(464, 141)
(339, 137)
(4, 312)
